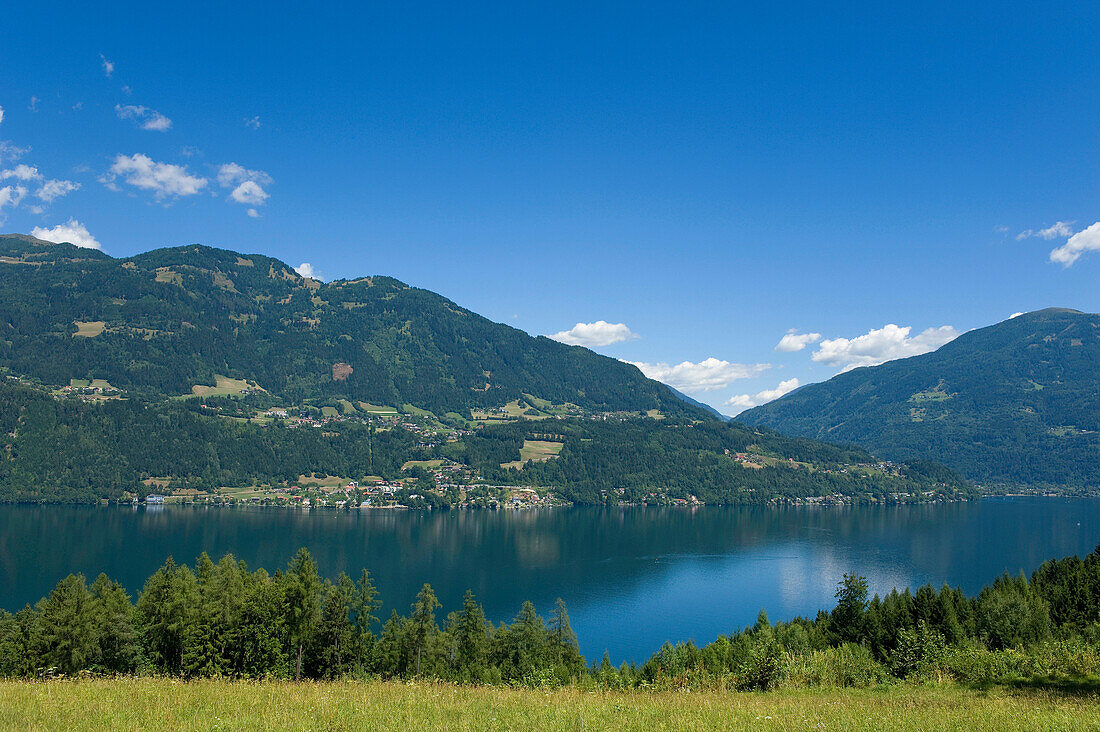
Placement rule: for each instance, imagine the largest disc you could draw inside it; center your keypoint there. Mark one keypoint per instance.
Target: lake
(632, 577)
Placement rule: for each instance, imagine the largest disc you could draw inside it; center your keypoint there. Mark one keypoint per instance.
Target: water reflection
(631, 577)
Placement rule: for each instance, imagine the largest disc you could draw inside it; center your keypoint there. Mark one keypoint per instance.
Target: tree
(423, 620)
(303, 595)
(469, 632)
(336, 639)
(566, 648)
(68, 629)
(258, 642)
(166, 611)
(366, 603)
(1010, 613)
(847, 618)
(119, 646)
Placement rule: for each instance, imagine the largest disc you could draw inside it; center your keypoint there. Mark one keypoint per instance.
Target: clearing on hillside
(535, 451)
(422, 463)
(88, 328)
(377, 409)
(224, 386)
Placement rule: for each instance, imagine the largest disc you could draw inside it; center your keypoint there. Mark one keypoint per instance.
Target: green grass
(131, 704)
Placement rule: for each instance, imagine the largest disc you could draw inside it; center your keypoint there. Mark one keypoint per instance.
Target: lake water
(632, 578)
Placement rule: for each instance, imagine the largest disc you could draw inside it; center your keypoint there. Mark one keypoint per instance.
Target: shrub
(764, 669)
(848, 665)
(919, 652)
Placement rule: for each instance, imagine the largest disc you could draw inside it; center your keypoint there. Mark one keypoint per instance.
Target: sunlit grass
(164, 704)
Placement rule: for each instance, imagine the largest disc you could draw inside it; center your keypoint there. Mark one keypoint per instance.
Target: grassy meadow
(126, 704)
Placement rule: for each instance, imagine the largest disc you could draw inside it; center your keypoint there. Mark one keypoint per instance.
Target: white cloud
(143, 117)
(11, 196)
(247, 184)
(253, 213)
(707, 375)
(741, 402)
(108, 65)
(9, 151)
(880, 345)
(254, 123)
(231, 173)
(73, 232)
(1056, 230)
(21, 172)
(164, 179)
(33, 106)
(157, 122)
(53, 189)
(305, 269)
(794, 341)
(1, 114)
(249, 193)
(1081, 242)
(599, 333)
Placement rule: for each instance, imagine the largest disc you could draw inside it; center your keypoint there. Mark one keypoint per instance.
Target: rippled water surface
(632, 578)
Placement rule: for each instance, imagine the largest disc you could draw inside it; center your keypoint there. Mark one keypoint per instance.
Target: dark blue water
(632, 578)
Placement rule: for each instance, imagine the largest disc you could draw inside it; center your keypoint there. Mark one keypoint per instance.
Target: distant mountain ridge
(1015, 403)
(162, 322)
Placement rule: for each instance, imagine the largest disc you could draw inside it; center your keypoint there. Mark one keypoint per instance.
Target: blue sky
(702, 178)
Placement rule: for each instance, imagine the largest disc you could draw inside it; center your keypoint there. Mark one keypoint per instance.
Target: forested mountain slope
(1016, 403)
(197, 371)
(162, 322)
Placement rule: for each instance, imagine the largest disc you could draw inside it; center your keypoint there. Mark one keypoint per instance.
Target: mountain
(696, 403)
(167, 321)
(1016, 403)
(210, 374)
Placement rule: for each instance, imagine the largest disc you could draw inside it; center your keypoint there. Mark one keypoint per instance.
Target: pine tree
(69, 633)
(303, 594)
(423, 620)
(566, 647)
(119, 646)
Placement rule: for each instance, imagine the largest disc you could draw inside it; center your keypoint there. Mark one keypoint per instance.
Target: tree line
(222, 620)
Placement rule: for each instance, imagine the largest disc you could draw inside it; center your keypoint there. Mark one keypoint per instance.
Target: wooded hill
(285, 376)
(1016, 403)
(162, 322)
(63, 450)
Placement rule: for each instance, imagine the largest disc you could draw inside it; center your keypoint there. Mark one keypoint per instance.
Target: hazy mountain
(1013, 403)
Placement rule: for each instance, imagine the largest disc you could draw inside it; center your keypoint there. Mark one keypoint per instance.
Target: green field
(131, 704)
(377, 409)
(536, 450)
(429, 464)
(88, 328)
(94, 383)
(223, 386)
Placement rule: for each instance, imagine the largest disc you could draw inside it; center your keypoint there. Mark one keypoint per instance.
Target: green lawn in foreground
(202, 705)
